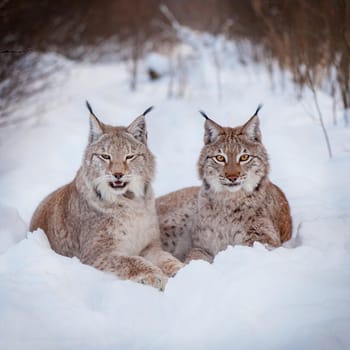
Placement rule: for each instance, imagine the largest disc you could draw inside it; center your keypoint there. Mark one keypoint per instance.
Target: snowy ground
(295, 297)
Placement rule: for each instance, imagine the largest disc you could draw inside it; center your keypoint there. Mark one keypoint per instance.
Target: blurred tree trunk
(136, 52)
(345, 65)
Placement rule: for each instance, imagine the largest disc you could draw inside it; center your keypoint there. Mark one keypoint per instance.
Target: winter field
(294, 297)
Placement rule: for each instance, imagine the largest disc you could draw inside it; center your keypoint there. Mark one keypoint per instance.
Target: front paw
(154, 279)
(198, 254)
(171, 267)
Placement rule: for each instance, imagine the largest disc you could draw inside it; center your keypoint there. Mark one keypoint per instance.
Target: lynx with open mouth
(118, 184)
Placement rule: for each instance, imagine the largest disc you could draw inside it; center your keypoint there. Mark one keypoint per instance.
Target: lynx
(236, 203)
(107, 216)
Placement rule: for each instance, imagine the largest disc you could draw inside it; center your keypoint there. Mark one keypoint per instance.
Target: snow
(13, 228)
(157, 63)
(294, 297)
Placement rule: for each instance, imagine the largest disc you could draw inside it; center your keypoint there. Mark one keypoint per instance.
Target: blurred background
(309, 39)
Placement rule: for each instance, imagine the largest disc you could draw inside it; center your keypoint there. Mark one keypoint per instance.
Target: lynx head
(117, 160)
(233, 159)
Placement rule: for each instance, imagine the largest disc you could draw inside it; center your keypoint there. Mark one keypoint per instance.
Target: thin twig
(314, 93)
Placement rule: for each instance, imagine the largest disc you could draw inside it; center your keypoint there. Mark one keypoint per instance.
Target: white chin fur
(217, 186)
(248, 185)
(233, 188)
(109, 194)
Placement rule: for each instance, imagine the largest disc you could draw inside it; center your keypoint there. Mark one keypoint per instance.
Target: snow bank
(249, 298)
(294, 297)
(12, 229)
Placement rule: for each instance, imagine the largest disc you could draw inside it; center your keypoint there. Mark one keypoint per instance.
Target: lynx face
(117, 159)
(233, 158)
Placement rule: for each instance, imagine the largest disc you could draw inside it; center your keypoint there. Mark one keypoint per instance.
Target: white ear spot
(138, 129)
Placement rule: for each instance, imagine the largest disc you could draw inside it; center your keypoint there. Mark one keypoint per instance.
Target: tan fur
(175, 213)
(114, 229)
(236, 204)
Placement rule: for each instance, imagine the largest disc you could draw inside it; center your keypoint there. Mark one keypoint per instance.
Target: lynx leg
(164, 260)
(134, 268)
(198, 254)
(264, 232)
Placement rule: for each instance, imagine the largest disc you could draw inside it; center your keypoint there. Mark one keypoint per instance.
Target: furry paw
(198, 254)
(156, 280)
(171, 266)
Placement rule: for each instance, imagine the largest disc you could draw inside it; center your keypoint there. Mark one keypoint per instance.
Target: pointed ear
(138, 129)
(252, 129)
(212, 131)
(96, 127)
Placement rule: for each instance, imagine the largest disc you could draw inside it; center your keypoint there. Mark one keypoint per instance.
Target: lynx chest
(219, 224)
(135, 226)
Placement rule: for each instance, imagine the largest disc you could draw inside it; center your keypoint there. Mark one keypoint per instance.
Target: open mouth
(231, 184)
(118, 184)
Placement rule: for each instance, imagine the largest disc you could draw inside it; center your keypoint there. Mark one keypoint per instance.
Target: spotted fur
(106, 216)
(236, 204)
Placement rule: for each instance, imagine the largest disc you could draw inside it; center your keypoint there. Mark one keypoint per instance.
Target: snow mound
(12, 227)
(251, 298)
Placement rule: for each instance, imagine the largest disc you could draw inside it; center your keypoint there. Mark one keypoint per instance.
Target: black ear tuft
(258, 109)
(96, 127)
(89, 107)
(203, 114)
(147, 110)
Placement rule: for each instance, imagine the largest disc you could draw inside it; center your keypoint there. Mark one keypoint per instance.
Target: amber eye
(220, 158)
(244, 157)
(105, 156)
